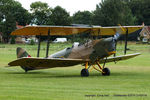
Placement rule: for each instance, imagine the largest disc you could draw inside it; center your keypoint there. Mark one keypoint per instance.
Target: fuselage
(93, 49)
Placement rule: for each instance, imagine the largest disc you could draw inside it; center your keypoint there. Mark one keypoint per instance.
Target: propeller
(124, 30)
(115, 38)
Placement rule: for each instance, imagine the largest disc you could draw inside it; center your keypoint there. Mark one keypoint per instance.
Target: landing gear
(105, 72)
(84, 72)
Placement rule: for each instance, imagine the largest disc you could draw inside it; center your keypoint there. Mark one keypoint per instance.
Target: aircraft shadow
(41, 74)
(48, 75)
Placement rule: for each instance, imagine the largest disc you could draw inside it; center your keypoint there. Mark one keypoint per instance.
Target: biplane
(90, 54)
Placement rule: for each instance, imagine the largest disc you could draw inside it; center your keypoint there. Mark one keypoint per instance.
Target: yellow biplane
(90, 54)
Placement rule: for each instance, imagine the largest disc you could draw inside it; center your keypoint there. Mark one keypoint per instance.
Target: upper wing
(68, 30)
(54, 30)
(40, 63)
(114, 29)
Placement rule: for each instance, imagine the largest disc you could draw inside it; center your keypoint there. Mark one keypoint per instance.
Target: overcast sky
(71, 6)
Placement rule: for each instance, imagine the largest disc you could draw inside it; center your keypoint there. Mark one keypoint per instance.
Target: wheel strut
(85, 72)
(104, 71)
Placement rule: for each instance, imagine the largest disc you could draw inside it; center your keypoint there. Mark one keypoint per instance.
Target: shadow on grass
(40, 74)
(24, 73)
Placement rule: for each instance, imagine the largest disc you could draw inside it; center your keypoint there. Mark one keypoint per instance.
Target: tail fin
(22, 53)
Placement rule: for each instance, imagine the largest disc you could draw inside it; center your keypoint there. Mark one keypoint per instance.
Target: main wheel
(84, 72)
(106, 72)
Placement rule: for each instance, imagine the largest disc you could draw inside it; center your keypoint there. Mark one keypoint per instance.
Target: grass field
(130, 79)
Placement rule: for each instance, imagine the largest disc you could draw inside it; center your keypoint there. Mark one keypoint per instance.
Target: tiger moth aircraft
(90, 54)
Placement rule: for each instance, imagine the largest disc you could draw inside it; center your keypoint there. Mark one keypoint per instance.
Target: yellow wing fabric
(68, 30)
(54, 30)
(113, 30)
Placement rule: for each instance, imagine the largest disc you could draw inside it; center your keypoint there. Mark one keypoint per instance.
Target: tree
(84, 17)
(141, 9)
(22, 16)
(7, 19)
(40, 13)
(7, 27)
(11, 12)
(60, 16)
(112, 13)
(146, 12)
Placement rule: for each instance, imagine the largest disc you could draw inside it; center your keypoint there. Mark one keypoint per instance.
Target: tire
(84, 72)
(106, 72)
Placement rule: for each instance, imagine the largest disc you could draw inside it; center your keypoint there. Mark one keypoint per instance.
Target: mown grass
(127, 77)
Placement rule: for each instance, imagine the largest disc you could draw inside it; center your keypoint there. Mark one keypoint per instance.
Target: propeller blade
(116, 36)
(115, 48)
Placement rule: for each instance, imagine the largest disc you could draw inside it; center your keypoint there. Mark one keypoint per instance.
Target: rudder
(22, 53)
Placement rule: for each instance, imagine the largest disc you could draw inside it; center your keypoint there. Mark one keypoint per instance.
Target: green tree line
(107, 13)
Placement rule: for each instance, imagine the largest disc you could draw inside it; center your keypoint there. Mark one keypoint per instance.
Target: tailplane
(22, 53)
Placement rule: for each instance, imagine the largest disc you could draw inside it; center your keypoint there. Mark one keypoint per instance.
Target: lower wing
(119, 58)
(42, 63)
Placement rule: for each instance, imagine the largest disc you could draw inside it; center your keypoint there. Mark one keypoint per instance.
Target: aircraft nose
(112, 52)
(112, 47)
(116, 36)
